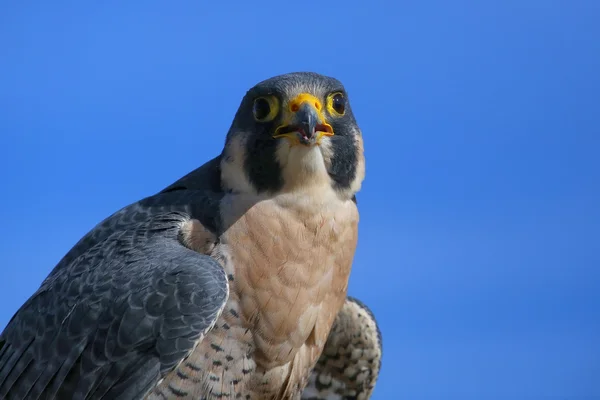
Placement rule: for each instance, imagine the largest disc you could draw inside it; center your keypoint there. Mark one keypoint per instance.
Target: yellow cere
(289, 115)
(310, 99)
(294, 105)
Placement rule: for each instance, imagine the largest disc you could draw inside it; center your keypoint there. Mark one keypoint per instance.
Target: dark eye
(261, 109)
(338, 103)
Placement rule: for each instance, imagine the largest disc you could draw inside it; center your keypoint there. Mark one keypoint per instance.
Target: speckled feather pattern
(224, 285)
(285, 292)
(351, 360)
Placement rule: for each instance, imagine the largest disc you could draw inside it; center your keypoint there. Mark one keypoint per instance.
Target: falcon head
(293, 132)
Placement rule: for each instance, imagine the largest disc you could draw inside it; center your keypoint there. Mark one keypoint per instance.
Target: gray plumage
(130, 301)
(122, 308)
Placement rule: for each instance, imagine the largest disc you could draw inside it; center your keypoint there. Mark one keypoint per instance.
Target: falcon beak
(305, 123)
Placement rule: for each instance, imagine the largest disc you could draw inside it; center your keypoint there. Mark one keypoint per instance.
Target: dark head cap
(292, 130)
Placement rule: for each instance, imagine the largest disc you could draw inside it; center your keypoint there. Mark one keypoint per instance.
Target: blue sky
(480, 216)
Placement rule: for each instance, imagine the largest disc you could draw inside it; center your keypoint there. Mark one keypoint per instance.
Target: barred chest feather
(288, 259)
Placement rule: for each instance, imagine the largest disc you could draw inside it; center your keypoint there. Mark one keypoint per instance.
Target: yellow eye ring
(265, 108)
(336, 104)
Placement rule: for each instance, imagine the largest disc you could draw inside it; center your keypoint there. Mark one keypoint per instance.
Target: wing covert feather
(118, 312)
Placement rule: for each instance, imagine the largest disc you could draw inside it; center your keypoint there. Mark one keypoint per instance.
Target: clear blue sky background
(480, 233)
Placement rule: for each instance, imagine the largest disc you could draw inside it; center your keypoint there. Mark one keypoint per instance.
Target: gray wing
(350, 363)
(121, 309)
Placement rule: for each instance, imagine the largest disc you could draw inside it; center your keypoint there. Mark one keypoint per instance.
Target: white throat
(304, 167)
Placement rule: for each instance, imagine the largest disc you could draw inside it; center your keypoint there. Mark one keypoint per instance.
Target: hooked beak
(304, 124)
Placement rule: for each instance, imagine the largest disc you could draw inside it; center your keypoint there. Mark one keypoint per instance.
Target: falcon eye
(264, 108)
(261, 108)
(337, 103)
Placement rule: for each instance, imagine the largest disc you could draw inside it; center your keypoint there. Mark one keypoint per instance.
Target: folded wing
(125, 306)
(351, 360)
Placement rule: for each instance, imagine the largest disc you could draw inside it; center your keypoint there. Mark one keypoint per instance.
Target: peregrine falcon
(230, 283)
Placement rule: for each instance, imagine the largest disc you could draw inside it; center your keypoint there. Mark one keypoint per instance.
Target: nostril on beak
(304, 119)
